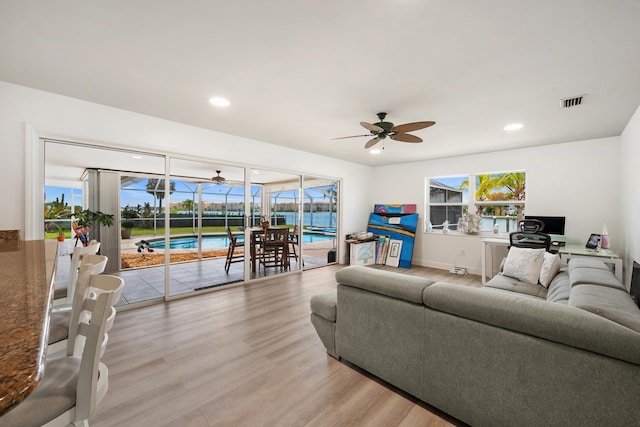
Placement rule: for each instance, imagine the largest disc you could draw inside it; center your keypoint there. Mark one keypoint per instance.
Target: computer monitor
(552, 224)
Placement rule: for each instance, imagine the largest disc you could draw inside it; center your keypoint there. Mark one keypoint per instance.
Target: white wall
(630, 162)
(62, 117)
(578, 180)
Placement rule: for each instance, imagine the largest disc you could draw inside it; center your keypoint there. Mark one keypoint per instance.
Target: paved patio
(148, 283)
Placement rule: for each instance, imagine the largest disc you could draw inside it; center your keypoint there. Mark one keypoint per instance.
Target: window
(498, 198)
(448, 200)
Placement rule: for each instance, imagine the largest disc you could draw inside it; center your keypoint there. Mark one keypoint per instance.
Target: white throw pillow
(550, 267)
(524, 264)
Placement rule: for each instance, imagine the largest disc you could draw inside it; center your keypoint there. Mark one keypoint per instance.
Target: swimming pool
(221, 241)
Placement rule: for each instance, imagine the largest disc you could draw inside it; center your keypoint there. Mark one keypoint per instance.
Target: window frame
(471, 205)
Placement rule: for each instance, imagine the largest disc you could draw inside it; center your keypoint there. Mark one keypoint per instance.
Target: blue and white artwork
(399, 227)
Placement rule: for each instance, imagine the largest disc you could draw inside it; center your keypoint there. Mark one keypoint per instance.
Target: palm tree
(483, 189)
(188, 205)
(514, 183)
(155, 187)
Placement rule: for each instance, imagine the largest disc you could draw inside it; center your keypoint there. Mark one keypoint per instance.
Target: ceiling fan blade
(409, 127)
(405, 137)
(372, 142)
(354, 136)
(372, 128)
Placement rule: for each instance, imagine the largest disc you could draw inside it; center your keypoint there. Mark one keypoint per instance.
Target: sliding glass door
(184, 225)
(274, 205)
(320, 218)
(206, 216)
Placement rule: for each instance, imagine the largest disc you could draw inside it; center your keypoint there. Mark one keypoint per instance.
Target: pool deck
(148, 283)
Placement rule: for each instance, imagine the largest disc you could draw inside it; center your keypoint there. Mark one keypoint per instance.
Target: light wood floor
(247, 356)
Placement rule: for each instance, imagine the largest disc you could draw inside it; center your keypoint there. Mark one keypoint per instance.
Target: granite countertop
(26, 289)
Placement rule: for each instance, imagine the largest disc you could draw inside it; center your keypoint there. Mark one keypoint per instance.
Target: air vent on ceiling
(572, 102)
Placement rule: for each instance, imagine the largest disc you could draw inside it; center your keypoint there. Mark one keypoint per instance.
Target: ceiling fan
(382, 129)
(220, 180)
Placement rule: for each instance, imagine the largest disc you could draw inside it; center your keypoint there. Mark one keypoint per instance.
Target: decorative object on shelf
(445, 227)
(604, 238)
(470, 224)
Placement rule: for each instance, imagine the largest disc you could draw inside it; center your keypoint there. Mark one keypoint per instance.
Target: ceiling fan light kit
(381, 130)
(219, 180)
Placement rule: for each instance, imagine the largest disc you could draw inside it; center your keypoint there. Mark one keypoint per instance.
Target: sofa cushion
(595, 276)
(391, 284)
(524, 264)
(554, 322)
(506, 283)
(560, 288)
(610, 303)
(586, 263)
(550, 267)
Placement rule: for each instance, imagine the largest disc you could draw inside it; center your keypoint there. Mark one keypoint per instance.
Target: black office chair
(537, 240)
(531, 225)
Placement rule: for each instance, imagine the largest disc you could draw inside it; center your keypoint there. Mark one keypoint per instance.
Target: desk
(500, 241)
(503, 241)
(605, 255)
(26, 289)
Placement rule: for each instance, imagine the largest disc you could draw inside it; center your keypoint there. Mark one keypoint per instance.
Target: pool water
(221, 242)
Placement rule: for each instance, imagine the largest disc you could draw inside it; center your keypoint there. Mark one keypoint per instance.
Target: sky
(135, 194)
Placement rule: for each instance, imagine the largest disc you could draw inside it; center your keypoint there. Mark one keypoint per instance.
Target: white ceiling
(299, 73)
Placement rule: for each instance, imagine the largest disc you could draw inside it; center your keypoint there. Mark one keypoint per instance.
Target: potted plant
(128, 213)
(60, 236)
(86, 219)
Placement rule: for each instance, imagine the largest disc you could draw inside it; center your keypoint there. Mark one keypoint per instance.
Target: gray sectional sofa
(507, 354)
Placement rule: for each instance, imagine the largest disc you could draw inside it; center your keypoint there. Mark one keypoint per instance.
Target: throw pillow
(524, 264)
(550, 267)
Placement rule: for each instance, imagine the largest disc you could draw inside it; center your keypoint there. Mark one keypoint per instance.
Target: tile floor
(143, 284)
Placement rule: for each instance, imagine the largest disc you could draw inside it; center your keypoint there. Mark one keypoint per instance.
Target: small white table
(605, 255)
(500, 241)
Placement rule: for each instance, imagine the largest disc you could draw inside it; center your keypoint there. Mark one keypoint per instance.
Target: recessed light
(137, 157)
(375, 151)
(219, 101)
(514, 126)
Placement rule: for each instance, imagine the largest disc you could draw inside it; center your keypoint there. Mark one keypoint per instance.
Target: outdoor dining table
(257, 234)
(27, 289)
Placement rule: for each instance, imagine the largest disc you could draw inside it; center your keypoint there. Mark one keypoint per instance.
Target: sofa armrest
(554, 322)
(391, 284)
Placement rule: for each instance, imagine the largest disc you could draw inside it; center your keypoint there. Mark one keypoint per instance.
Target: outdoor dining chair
(232, 255)
(274, 248)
